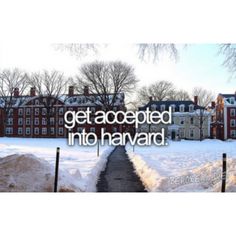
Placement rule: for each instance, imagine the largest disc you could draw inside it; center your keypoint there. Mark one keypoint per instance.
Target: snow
(185, 165)
(79, 166)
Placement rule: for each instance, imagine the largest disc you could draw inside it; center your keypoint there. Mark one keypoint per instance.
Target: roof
(177, 104)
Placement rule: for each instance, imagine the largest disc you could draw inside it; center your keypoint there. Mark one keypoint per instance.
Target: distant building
(189, 119)
(28, 114)
(224, 122)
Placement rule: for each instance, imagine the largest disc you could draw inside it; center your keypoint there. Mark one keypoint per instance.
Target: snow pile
(78, 163)
(27, 173)
(185, 166)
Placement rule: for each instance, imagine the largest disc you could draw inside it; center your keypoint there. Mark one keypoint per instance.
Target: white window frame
(44, 131)
(36, 129)
(232, 123)
(27, 131)
(20, 112)
(232, 112)
(163, 107)
(36, 111)
(36, 121)
(182, 108)
(28, 110)
(20, 121)
(61, 131)
(20, 131)
(27, 121)
(191, 108)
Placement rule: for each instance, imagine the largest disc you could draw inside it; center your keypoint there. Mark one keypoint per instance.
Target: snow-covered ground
(185, 165)
(78, 164)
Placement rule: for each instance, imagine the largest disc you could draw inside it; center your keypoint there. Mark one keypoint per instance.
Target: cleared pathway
(119, 175)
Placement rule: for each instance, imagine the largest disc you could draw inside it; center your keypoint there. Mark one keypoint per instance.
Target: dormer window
(232, 100)
(163, 107)
(181, 108)
(191, 108)
(172, 108)
(153, 107)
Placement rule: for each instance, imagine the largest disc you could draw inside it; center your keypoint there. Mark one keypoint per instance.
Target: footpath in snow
(185, 165)
(119, 175)
(28, 165)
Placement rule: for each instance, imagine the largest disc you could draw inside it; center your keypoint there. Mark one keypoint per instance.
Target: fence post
(223, 173)
(56, 169)
(98, 148)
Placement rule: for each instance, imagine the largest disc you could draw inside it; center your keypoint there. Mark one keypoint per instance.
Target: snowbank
(27, 173)
(78, 165)
(185, 166)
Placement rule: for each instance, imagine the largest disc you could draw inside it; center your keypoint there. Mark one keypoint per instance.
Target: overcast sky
(198, 65)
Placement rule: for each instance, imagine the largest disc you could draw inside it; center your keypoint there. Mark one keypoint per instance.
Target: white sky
(198, 64)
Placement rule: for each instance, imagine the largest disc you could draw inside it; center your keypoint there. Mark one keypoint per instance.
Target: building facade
(37, 117)
(224, 121)
(189, 120)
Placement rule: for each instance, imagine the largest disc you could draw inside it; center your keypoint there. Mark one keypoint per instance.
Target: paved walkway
(119, 175)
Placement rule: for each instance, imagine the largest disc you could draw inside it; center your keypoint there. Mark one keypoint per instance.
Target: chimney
(213, 104)
(71, 91)
(86, 90)
(16, 92)
(150, 99)
(32, 92)
(195, 100)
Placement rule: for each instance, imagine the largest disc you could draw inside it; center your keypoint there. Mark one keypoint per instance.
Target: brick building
(29, 117)
(224, 121)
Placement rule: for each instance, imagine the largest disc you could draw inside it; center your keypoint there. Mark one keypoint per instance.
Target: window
(36, 131)
(173, 108)
(232, 123)
(79, 129)
(36, 111)
(20, 121)
(233, 133)
(9, 130)
(191, 120)
(163, 107)
(44, 111)
(61, 111)
(232, 100)
(114, 129)
(52, 120)
(92, 129)
(52, 130)
(232, 112)
(181, 133)
(36, 102)
(44, 131)
(27, 111)
(61, 121)
(10, 121)
(20, 112)
(44, 121)
(27, 131)
(20, 131)
(61, 131)
(181, 120)
(191, 108)
(181, 108)
(27, 121)
(11, 112)
(36, 121)
(191, 133)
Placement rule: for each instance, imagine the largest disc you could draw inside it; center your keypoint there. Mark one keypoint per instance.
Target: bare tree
(181, 95)
(13, 84)
(107, 80)
(77, 49)
(229, 51)
(205, 97)
(49, 87)
(154, 50)
(159, 91)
